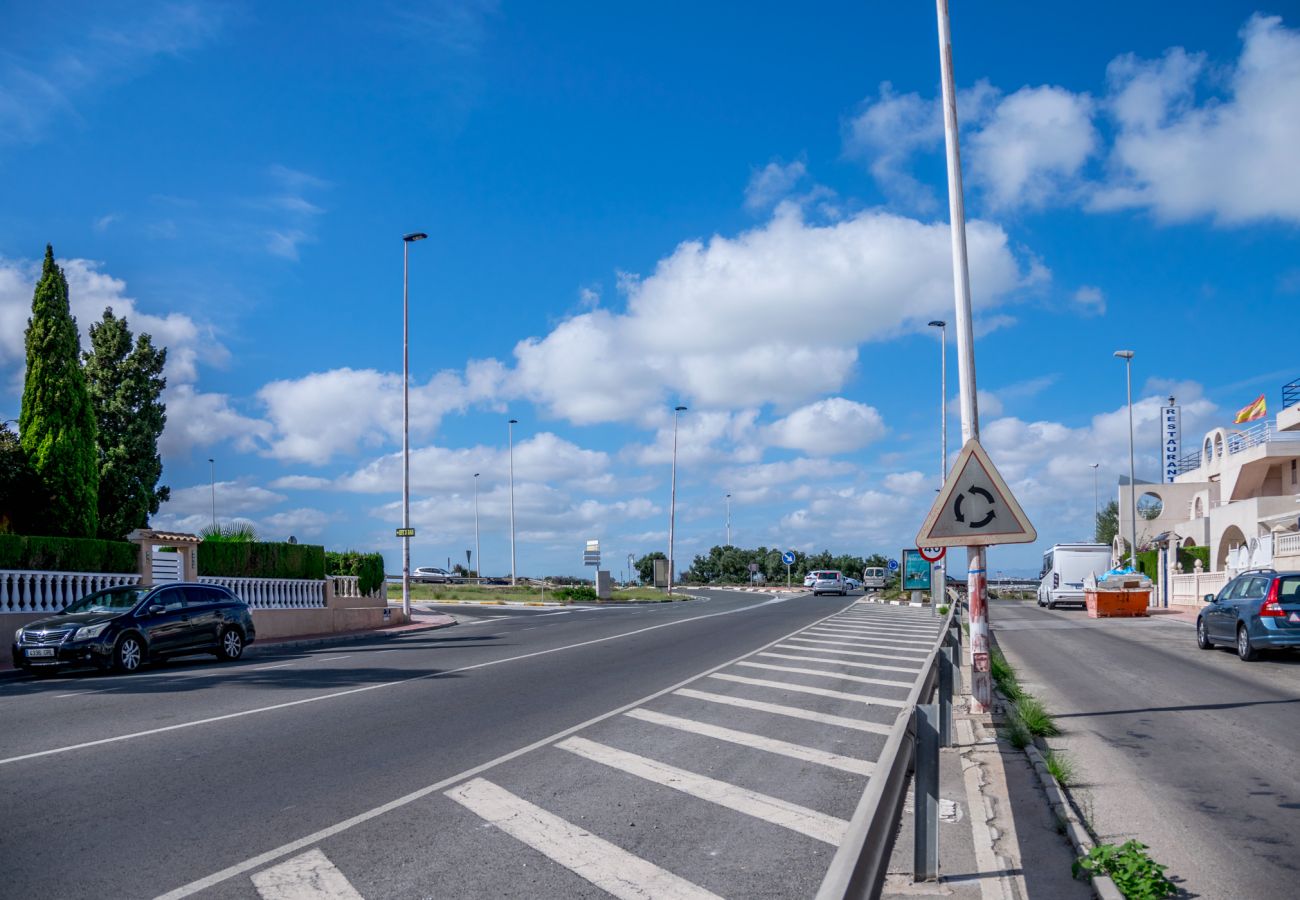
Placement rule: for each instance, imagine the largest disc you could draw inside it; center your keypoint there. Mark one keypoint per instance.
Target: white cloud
(910, 483)
(830, 426)
(772, 183)
(1219, 158)
(233, 498)
(196, 419)
(301, 522)
(301, 483)
(1090, 300)
(888, 131)
(1032, 146)
(790, 300)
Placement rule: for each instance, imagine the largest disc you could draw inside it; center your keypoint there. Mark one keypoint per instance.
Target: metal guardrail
(859, 866)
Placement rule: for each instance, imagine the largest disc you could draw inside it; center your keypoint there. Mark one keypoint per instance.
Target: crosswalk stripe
(793, 712)
(607, 866)
(810, 822)
(867, 635)
(859, 679)
(878, 626)
(837, 662)
(308, 876)
(917, 650)
(844, 652)
(757, 741)
(805, 689)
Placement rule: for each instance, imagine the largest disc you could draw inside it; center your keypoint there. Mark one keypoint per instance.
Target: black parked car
(124, 627)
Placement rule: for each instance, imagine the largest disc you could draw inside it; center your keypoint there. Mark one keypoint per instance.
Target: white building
(1238, 494)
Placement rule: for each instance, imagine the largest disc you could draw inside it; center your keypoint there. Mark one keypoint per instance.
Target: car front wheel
(231, 645)
(1244, 648)
(128, 654)
(1202, 636)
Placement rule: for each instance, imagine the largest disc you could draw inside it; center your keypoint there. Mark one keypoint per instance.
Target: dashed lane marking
(607, 866)
(840, 676)
(757, 742)
(310, 876)
(792, 712)
(805, 689)
(810, 822)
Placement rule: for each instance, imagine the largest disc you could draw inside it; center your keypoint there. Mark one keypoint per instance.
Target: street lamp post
(212, 467)
(672, 503)
(936, 591)
(477, 552)
(510, 439)
(1127, 356)
(728, 520)
(1096, 505)
(407, 241)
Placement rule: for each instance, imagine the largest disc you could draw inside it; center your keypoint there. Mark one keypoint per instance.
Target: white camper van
(873, 578)
(1065, 566)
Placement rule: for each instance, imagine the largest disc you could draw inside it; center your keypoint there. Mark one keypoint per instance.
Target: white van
(873, 579)
(1065, 566)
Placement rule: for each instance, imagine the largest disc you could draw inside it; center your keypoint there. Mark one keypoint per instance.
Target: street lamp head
(938, 323)
(513, 422)
(1123, 354)
(476, 474)
(414, 236)
(679, 409)
(1095, 465)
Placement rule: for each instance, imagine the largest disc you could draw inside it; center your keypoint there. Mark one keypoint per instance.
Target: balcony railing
(1291, 394)
(1263, 433)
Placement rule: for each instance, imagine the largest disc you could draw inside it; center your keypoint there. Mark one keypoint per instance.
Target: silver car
(830, 582)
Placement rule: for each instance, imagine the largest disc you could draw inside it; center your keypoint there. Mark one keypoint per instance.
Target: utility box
(604, 585)
(661, 573)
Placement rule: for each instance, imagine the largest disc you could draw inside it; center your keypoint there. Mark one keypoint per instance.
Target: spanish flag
(1256, 410)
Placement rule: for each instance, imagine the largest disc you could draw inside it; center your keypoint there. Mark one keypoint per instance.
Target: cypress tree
(126, 386)
(57, 424)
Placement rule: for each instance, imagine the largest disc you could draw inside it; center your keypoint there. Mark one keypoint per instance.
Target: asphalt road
(1193, 752)
(713, 747)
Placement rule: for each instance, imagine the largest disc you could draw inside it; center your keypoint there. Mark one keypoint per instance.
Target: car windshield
(110, 600)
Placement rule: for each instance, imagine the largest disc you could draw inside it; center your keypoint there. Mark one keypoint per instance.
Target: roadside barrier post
(925, 859)
(947, 663)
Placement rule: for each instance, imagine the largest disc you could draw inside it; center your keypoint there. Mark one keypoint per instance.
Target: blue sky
(736, 207)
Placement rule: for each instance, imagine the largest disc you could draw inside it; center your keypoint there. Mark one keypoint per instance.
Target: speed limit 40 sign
(932, 554)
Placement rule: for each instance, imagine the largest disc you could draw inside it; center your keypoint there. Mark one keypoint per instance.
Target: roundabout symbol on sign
(932, 554)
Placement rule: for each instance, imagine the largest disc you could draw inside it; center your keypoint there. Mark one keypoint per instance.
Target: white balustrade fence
(1287, 544)
(348, 586)
(1190, 589)
(273, 593)
(49, 592)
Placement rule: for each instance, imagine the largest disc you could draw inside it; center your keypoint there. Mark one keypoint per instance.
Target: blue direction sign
(788, 557)
(893, 565)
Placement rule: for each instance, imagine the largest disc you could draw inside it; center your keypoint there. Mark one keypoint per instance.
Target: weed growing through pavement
(1061, 767)
(1134, 872)
(1037, 720)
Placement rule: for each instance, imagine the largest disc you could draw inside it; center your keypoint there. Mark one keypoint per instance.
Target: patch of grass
(943, 610)
(1004, 676)
(640, 593)
(1134, 872)
(1017, 735)
(1061, 767)
(1035, 717)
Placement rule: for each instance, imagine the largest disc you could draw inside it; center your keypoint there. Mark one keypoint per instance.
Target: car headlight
(90, 632)
(18, 636)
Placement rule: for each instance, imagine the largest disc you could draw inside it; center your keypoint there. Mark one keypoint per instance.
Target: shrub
(60, 554)
(1003, 675)
(1060, 766)
(1136, 874)
(368, 568)
(261, 560)
(577, 592)
(1035, 717)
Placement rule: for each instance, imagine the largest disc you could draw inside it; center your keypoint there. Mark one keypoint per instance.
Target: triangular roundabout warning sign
(975, 507)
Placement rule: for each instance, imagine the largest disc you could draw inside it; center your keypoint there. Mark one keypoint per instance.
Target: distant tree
(57, 422)
(230, 533)
(126, 385)
(1107, 523)
(20, 490)
(645, 566)
(876, 561)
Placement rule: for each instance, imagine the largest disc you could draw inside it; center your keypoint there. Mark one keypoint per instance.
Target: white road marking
(757, 741)
(805, 689)
(793, 712)
(316, 837)
(865, 644)
(802, 649)
(276, 666)
(330, 658)
(80, 693)
(310, 876)
(607, 866)
(839, 662)
(858, 679)
(922, 635)
(872, 637)
(806, 821)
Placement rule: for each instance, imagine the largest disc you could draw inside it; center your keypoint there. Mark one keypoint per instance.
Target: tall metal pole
(212, 465)
(510, 438)
(672, 503)
(728, 520)
(1096, 503)
(407, 240)
(937, 592)
(1127, 356)
(976, 565)
(477, 553)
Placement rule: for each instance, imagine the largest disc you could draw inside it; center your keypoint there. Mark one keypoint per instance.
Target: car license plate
(41, 651)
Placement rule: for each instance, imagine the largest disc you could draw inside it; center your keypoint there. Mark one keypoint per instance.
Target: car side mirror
(1209, 598)
(156, 610)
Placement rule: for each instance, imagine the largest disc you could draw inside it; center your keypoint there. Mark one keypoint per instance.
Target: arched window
(1209, 451)
(1218, 445)
(1200, 509)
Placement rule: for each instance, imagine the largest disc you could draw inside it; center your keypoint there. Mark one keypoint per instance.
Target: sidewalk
(998, 839)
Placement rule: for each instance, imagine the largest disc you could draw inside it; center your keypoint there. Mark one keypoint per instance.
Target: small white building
(1238, 494)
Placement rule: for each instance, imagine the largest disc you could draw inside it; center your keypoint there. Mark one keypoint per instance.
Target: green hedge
(261, 560)
(1150, 566)
(368, 568)
(578, 592)
(62, 554)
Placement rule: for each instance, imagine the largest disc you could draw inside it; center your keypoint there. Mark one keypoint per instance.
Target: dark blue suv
(1257, 610)
(125, 627)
